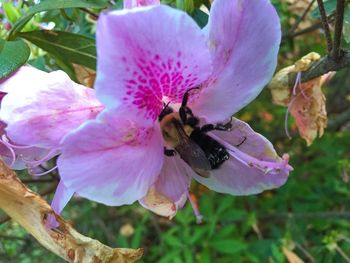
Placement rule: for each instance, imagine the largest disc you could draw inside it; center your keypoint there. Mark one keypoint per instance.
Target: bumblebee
(183, 135)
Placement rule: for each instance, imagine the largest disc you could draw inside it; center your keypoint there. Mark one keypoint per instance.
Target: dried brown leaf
(291, 256)
(85, 75)
(279, 85)
(307, 102)
(309, 109)
(31, 211)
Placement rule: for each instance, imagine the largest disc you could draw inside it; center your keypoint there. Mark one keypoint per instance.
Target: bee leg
(192, 121)
(183, 114)
(185, 97)
(219, 127)
(244, 139)
(166, 110)
(169, 152)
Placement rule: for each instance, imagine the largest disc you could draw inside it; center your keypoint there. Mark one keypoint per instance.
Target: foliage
(308, 216)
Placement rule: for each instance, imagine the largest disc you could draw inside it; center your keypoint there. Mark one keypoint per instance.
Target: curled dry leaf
(84, 75)
(31, 211)
(306, 101)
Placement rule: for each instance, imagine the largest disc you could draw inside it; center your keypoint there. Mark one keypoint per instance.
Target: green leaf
(228, 246)
(346, 25)
(71, 47)
(13, 55)
(11, 12)
(200, 17)
(46, 5)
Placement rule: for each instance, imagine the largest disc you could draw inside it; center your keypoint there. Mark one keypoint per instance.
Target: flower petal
(142, 60)
(40, 111)
(137, 3)
(253, 165)
(113, 159)
(169, 193)
(17, 158)
(61, 198)
(244, 38)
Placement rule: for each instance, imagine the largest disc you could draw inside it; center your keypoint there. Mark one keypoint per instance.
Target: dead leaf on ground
(306, 102)
(291, 256)
(31, 211)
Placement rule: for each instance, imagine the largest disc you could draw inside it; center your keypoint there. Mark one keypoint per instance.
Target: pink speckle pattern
(153, 77)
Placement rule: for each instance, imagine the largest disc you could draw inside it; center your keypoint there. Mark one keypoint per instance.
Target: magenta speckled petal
(253, 166)
(113, 159)
(41, 108)
(244, 38)
(148, 55)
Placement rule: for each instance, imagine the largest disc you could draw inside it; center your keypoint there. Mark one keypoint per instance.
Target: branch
(92, 14)
(339, 17)
(325, 25)
(323, 66)
(301, 18)
(308, 29)
(31, 212)
(337, 122)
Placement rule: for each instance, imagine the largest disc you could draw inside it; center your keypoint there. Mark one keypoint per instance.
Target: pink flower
(138, 3)
(150, 56)
(38, 110)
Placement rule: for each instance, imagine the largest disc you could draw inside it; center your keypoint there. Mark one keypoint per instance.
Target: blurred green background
(307, 218)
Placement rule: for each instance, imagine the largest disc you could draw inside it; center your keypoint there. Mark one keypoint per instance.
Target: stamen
(199, 217)
(297, 81)
(6, 140)
(13, 154)
(264, 166)
(32, 173)
(48, 156)
(286, 118)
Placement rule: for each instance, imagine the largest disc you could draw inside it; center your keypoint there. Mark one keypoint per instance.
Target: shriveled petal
(169, 193)
(40, 111)
(244, 38)
(253, 166)
(137, 3)
(147, 54)
(113, 159)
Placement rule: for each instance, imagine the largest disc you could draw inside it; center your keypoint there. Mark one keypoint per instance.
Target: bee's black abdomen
(215, 152)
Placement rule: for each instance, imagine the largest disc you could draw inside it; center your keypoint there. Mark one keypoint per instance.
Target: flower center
(152, 77)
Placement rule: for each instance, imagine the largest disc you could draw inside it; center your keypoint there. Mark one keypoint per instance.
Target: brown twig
(32, 212)
(337, 122)
(92, 14)
(308, 29)
(323, 66)
(301, 18)
(339, 18)
(325, 25)
(50, 189)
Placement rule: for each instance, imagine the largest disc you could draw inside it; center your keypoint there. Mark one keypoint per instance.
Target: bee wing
(191, 153)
